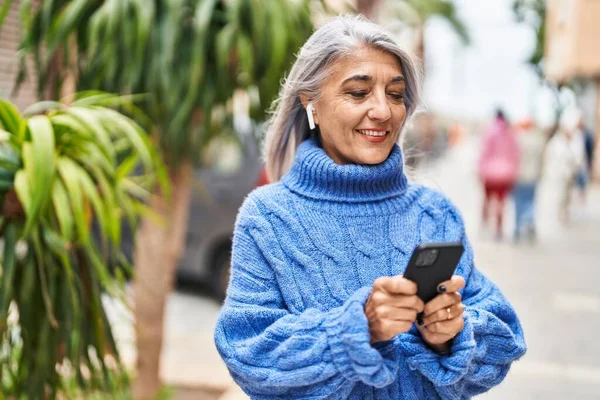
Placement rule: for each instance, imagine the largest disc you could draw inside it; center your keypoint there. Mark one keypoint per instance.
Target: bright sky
(471, 81)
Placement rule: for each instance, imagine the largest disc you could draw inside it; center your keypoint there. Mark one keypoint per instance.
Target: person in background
(590, 145)
(498, 169)
(531, 142)
(560, 164)
(574, 121)
(317, 305)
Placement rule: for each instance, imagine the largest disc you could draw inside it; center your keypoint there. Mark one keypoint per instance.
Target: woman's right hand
(392, 307)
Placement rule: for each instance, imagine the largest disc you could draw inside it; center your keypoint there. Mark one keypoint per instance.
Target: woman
(498, 168)
(317, 306)
(561, 163)
(531, 142)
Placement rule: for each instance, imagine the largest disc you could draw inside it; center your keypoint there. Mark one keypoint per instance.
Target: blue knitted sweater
(306, 251)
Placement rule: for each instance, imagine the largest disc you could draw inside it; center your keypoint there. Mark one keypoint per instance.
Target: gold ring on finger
(449, 313)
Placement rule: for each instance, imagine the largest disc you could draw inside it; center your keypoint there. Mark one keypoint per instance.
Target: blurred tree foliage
(189, 58)
(533, 13)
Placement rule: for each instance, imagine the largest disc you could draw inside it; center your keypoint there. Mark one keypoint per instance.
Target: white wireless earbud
(310, 109)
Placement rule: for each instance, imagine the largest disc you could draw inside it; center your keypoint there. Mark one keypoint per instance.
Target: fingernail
(442, 289)
(420, 321)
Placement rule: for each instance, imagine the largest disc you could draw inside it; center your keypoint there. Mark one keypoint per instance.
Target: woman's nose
(380, 109)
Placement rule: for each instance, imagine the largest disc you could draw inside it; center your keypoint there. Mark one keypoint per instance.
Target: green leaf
(64, 24)
(42, 107)
(72, 124)
(94, 126)
(132, 131)
(134, 190)
(100, 269)
(4, 11)
(224, 46)
(23, 190)
(10, 119)
(69, 175)
(40, 164)
(8, 272)
(56, 242)
(127, 166)
(108, 196)
(90, 191)
(43, 275)
(61, 203)
(9, 159)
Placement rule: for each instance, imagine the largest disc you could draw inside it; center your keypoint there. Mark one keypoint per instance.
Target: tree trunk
(367, 7)
(159, 247)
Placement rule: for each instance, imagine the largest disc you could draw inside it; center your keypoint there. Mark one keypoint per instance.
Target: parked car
(231, 171)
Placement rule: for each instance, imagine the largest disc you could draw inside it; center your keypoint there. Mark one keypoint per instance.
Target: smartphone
(432, 264)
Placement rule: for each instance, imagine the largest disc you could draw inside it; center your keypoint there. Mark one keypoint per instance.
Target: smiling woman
(361, 108)
(317, 305)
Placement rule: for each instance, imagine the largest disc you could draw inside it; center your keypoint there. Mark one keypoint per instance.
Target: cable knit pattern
(306, 252)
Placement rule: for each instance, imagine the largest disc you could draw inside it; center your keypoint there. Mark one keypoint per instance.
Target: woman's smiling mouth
(373, 132)
(373, 135)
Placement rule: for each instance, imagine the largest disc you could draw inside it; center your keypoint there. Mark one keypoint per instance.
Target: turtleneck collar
(314, 174)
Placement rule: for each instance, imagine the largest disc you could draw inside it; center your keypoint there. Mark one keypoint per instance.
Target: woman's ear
(304, 100)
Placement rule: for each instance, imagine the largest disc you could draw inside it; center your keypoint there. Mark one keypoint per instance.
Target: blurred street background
(535, 60)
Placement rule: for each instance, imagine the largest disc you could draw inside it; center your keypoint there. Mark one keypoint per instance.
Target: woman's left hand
(443, 315)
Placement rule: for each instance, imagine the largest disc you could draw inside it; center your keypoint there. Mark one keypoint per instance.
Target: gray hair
(288, 126)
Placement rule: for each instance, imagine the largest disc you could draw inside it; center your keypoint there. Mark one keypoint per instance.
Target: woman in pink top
(498, 167)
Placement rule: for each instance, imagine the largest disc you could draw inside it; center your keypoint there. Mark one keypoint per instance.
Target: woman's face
(361, 108)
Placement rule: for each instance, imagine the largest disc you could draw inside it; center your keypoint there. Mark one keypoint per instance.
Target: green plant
(188, 56)
(65, 169)
(192, 59)
(533, 14)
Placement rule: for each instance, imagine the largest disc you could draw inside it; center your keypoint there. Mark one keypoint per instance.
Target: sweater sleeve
(482, 352)
(273, 353)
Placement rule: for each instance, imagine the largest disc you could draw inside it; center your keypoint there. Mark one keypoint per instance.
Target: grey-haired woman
(317, 306)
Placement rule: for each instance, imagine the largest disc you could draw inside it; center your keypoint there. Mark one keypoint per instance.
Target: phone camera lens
(427, 258)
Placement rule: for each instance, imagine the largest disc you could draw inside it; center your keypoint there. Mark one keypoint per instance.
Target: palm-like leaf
(188, 56)
(62, 167)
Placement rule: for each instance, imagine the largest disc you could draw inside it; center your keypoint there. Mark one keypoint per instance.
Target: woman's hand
(392, 307)
(443, 316)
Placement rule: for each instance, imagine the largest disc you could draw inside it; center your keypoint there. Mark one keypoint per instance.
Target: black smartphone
(432, 264)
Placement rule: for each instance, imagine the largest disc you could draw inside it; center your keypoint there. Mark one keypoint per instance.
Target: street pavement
(554, 284)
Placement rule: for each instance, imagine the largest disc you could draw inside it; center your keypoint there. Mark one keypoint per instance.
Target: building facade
(572, 55)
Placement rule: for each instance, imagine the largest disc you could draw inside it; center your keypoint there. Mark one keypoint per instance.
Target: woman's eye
(397, 96)
(358, 95)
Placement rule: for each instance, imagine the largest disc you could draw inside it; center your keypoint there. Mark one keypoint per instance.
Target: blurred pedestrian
(561, 163)
(498, 169)
(531, 143)
(574, 119)
(317, 306)
(590, 147)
